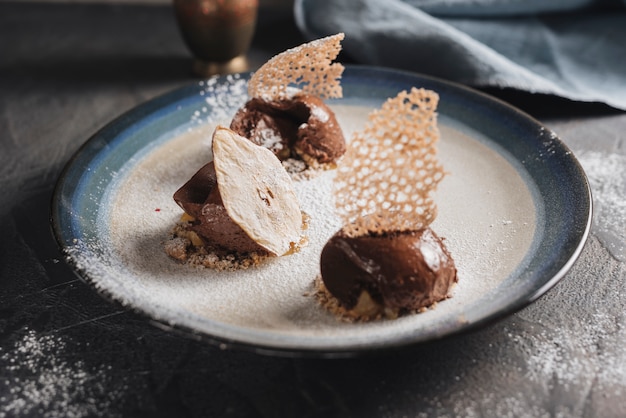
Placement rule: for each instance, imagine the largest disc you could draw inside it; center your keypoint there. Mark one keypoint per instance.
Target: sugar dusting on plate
(486, 214)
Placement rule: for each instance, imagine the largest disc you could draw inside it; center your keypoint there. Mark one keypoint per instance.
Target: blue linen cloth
(570, 48)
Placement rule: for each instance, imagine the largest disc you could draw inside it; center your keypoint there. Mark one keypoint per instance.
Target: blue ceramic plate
(515, 211)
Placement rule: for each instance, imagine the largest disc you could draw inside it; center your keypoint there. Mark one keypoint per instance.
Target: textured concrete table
(68, 69)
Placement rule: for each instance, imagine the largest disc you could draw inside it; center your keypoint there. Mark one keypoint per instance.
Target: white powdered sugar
(320, 114)
(268, 137)
(555, 357)
(221, 98)
(40, 379)
(607, 178)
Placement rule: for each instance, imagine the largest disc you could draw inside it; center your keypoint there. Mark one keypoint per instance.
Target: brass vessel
(217, 32)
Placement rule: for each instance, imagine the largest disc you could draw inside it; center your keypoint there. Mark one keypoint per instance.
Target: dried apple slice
(257, 192)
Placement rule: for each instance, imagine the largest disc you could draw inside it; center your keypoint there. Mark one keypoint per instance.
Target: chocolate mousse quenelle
(286, 112)
(387, 261)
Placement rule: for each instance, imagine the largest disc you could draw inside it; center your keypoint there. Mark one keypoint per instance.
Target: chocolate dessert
(201, 200)
(302, 126)
(286, 111)
(387, 274)
(386, 261)
(240, 206)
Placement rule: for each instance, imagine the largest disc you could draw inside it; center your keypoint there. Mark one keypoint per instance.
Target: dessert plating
(241, 207)
(286, 111)
(386, 261)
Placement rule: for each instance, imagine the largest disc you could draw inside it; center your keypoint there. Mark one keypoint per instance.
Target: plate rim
(163, 101)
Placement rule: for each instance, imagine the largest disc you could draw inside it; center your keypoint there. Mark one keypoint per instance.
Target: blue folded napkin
(570, 48)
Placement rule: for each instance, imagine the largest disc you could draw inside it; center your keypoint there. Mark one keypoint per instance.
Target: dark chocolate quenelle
(399, 271)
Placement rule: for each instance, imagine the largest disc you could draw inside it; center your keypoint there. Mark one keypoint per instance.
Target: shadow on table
(544, 106)
(103, 69)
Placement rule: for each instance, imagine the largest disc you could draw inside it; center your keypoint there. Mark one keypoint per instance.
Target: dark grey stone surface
(68, 69)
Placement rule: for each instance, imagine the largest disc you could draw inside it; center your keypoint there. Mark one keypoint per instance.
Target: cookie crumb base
(180, 246)
(332, 305)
